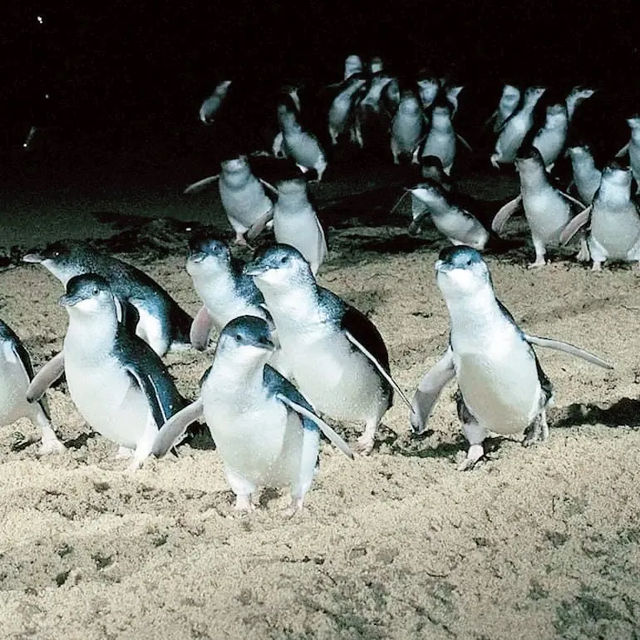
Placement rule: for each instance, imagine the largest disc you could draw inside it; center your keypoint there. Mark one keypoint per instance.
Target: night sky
(120, 62)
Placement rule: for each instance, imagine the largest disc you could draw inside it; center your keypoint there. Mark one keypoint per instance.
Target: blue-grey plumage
(225, 291)
(16, 372)
(335, 353)
(265, 431)
(118, 383)
(161, 322)
(502, 387)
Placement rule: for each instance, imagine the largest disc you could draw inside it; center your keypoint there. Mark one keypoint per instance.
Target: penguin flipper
(200, 329)
(258, 226)
(173, 429)
(47, 375)
(331, 435)
(385, 374)
(196, 187)
(575, 224)
(571, 349)
(269, 186)
(571, 199)
(429, 390)
(505, 212)
(623, 150)
(464, 142)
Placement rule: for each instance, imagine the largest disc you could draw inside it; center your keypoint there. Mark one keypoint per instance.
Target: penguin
(454, 222)
(441, 138)
(16, 373)
(614, 217)
(352, 65)
(501, 385)
(633, 148)
(506, 106)
(452, 93)
(547, 209)
(265, 431)
(288, 106)
(118, 383)
(159, 319)
(225, 291)
(515, 128)
(302, 146)
(586, 176)
(407, 127)
(242, 194)
(371, 117)
(341, 111)
(212, 104)
(295, 222)
(428, 89)
(575, 98)
(335, 353)
(551, 138)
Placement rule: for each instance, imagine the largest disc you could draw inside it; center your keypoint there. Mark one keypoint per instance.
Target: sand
(539, 542)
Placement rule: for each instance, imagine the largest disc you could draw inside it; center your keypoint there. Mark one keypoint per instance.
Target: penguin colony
(291, 356)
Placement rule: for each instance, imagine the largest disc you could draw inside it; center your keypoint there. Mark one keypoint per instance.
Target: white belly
(460, 228)
(547, 213)
(246, 204)
(13, 388)
(108, 400)
(302, 231)
(332, 377)
(406, 132)
(499, 384)
(442, 145)
(259, 441)
(616, 233)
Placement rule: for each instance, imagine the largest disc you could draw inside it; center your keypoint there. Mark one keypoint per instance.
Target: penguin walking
(265, 431)
(155, 315)
(118, 383)
(407, 127)
(613, 219)
(501, 385)
(336, 355)
(586, 176)
(16, 373)
(507, 104)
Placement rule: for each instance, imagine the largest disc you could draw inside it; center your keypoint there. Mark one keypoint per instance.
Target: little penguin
(407, 126)
(341, 111)
(352, 64)
(265, 431)
(506, 106)
(547, 209)
(441, 138)
(335, 353)
(242, 194)
(212, 104)
(633, 147)
(453, 221)
(586, 176)
(295, 222)
(501, 385)
(16, 373)
(302, 146)
(428, 89)
(160, 322)
(118, 383)
(225, 291)
(515, 128)
(614, 217)
(551, 138)
(371, 117)
(575, 98)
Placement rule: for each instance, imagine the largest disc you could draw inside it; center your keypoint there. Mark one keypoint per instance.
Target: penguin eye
(284, 260)
(96, 291)
(238, 337)
(55, 254)
(468, 262)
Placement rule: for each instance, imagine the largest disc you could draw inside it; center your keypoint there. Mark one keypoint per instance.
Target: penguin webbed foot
(537, 431)
(540, 262)
(49, 447)
(295, 508)
(243, 505)
(364, 444)
(474, 455)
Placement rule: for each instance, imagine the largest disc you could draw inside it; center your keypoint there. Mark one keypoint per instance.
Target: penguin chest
(549, 143)
(301, 230)
(257, 437)
(442, 145)
(244, 203)
(406, 132)
(547, 212)
(615, 231)
(461, 228)
(333, 376)
(108, 399)
(339, 112)
(499, 384)
(634, 158)
(13, 387)
(302, 148)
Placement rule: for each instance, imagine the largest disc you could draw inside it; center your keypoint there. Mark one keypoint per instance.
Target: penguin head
(616, 175)
(62, 259)
(533, 94)
(634, 121)
(279, 266)
(376, 64)
(409, 105)
(529, 160)
(581, 93)
(87, 294)
(432, 169)
(556, 114)
(579, 151)
(208, 256)
(292, 186)
(248, 338)
(461, 271)
(510, 94)
(239, 164)
(352, 64)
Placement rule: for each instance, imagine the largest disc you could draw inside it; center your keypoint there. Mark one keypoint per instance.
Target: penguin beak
(197, 256)
(265, 344)
(69, 300)
(35, 258)
(254, 269)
